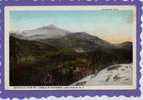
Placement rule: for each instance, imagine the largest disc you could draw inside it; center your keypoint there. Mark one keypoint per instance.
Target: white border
(65, 8)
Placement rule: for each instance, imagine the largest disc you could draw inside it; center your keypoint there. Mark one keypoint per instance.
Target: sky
(110, 25)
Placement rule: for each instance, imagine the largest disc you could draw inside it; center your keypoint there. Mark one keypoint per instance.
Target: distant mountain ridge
(54, 32)
(59, 37)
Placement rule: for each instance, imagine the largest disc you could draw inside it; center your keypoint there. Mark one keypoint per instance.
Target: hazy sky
(110, 25)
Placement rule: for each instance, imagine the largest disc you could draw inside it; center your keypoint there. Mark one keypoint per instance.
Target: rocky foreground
(118, 74)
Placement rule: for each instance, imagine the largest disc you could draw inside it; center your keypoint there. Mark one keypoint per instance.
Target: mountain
(79, 42)
(86, 38)
(76, 44)
(118, 74)
(45, 32)
(127, 45)
(54, 56)
(17, 35)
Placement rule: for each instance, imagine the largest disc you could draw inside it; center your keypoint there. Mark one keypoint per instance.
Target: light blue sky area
(111, 22)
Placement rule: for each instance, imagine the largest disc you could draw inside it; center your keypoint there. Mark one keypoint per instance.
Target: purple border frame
(75, 93)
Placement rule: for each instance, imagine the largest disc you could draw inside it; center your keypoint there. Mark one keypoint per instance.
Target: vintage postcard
(69, 48)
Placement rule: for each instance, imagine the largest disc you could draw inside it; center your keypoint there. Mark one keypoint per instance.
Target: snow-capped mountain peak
(51, 26)
(45, 32)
